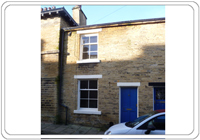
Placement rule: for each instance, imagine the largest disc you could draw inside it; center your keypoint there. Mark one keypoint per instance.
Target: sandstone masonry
(128, 54)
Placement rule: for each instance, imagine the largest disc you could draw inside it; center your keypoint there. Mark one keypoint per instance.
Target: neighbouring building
(102, 73)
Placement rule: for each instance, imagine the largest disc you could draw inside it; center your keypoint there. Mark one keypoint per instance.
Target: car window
(158, 123)
(140, 119)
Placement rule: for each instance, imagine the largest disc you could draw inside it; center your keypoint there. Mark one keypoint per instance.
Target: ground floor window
(88, 93)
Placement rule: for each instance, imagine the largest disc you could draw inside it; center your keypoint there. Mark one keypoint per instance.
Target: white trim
(88, 61)
(128, 84)
(78, 103)
(89, 31)
(87, 112)
(119, 104)
(87, 76)
(153, 100)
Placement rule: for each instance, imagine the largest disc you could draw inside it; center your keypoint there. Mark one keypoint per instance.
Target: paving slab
(94, 131)
(51, 127)
(82, 130)
(59, 129)
(44, 125)
(73, 126)
(70, 129)
(67, 131)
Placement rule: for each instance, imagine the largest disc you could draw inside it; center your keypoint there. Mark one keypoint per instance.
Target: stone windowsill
(88, 61)
(96, 112)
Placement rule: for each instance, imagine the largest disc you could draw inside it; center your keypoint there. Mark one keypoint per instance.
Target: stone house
(102, 73)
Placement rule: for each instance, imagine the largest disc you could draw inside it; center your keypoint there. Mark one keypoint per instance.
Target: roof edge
(57, 10)
(114, 24)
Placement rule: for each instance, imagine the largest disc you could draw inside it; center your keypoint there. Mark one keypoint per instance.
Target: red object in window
(161, 110)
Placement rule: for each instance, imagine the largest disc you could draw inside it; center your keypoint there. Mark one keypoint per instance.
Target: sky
(97, 14)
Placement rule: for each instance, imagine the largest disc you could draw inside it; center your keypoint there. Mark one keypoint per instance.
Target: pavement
(70, 129)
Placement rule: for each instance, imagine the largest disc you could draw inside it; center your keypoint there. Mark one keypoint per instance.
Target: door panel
(128, 104)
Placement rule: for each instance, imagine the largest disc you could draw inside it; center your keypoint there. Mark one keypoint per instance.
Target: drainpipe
(62, 36)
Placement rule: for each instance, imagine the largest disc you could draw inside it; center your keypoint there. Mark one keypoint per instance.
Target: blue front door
(128, 104)
(159, 98)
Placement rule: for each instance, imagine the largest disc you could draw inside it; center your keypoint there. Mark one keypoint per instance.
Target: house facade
(112, 72)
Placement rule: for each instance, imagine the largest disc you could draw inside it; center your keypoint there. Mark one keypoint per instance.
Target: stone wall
(50, 39)
(128, 54)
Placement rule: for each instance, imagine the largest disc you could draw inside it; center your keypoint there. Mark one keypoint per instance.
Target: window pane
(93, 94)
(93, 39)
(85, 48)
(160, 93)
(85, 39)
(84, 94)
(84, 84)
(93, 55)
(93, 84)
(85, 56)
(93, 104)
(84, 103)
(93, 47)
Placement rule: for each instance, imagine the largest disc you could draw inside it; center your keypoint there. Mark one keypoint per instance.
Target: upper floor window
(89, 46)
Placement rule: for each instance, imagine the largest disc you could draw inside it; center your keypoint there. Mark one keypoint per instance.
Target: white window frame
(81, 46)
(86, 110)
(92, 32)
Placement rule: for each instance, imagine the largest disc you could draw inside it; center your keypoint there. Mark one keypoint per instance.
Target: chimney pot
(79, 6)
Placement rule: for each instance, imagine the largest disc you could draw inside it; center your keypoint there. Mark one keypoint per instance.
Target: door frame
(127, 85)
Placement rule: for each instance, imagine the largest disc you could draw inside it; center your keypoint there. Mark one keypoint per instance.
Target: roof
(114, 24)
(60, 12)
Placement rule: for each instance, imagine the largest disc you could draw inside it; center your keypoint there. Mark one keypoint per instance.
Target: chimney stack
(79, 16)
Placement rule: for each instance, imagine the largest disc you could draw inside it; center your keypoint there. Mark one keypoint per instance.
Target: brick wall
(48, 100)
(128, 54)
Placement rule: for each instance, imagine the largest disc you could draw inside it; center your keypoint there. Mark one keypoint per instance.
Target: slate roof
(59, 12)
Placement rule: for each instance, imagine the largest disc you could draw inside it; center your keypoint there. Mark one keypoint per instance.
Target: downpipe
(62, 33)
